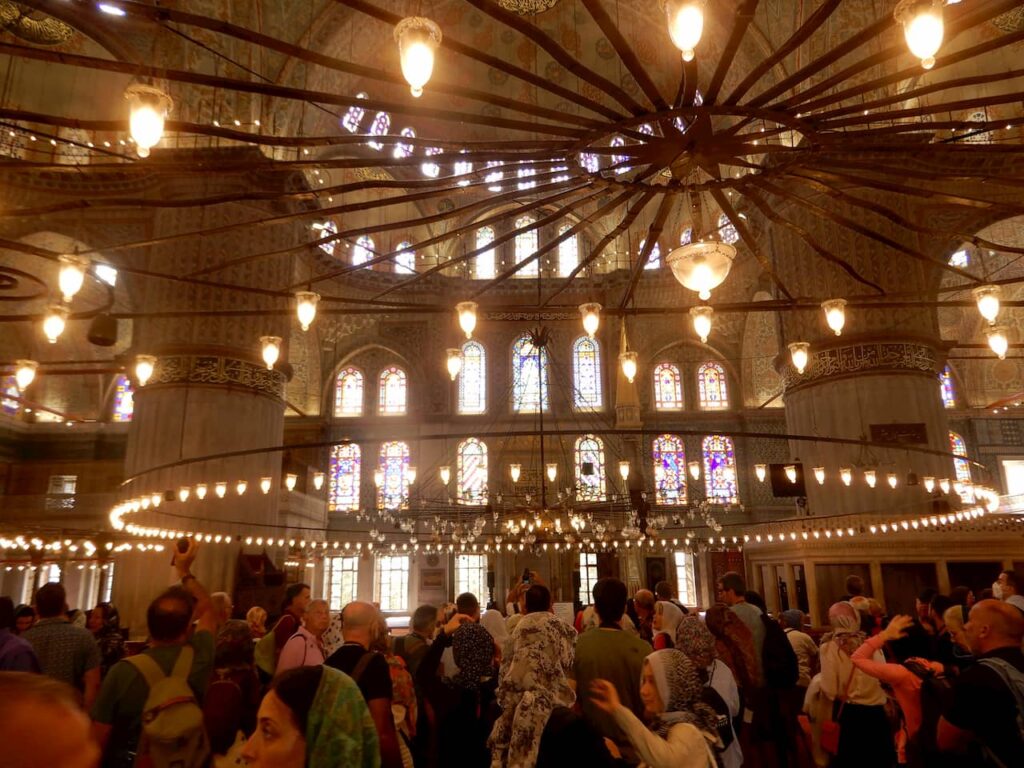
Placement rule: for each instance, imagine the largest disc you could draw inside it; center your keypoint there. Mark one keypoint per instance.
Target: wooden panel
(903, 582)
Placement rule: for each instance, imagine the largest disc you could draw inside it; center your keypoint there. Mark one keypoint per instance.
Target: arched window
(405, 259)
(654, 257)
(720, 469)
(391, 401)
(726, 230)
(669, 470)
(363, 250)
(124, 400)
(485, 259)
(711, 387)
(568, 252)
(529, 377)
(343, 493)
(404, 149)
(590, 484)
(350, 122)
(960, 258)
(324, 229)
(494, 178)
(463, 168)
(430, 168)
(348, 393)
(618, 141)
(961, 466)
(590, 162)
(393, 492)
(686, 237)
(473, 379)
(668, 387)
(525, 180)
(379, 127)
(946, 388)
(586, 374)
(526, 246)
(471, 457)
(10, 402)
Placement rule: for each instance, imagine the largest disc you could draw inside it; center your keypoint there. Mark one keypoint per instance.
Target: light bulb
(552, 470)
(997, 340)
(220, 489)
(54, 323)
(591, 313)
(241, 486)
(694, 467)
(446, 474)
(410, 475)
(624, 470)
(892, 479)
(305, 307)
(144, 367)
(835, 314)
(149, 107)
(628, 361)
(183, 493)
(987, 297)
(156, 499)
(265, 483)
(790, 470)
(454, 362)
(922, 28)
(515, 470)
(71, 275)
(870, 477)
(318, 480)
(417, 39)
(378, 477)
(929, 483)
(200, 491)
(271, 350)
(761, 471)
(25, 373)
(466, 311)
(798, 353)
(702, 321)
(944, 484)
(846, 475)
(685, 24)
(289, 481)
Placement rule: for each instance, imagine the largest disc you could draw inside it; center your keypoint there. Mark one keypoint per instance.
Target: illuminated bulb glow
(819, 475)
(628, 361)
(870, 477)
(694, 467)
(265, 483)
(466, 311)
(685, 25)
(944, 485)
(591, 314)
(410, 475)
(156, 500)
(987, 298)
(241, 486)
(446, 474)
(929, 483)
(149, 107)
(289, 481)
(702, 321)
(515, 471)
(378, 477)
(201, 491)
(54, 323)
(318, 480)
(922, 27)
(624, 470)
(552, 472)
(835, 314)
(998, 341)
(71, 275)
(271, 350)
(846, 475)
(761, 471)
(183, 493)
(305, 308)
(790, 470)
(144, 367)
(417, 39)
(25, 373)
(892, 479)
(798, 353)
(220, 489)
(454, 363)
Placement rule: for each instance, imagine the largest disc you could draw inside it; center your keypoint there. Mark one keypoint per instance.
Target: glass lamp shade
(591, 314)
(761, 471)
(149, 107)
(378, 477)
(417, 39)
(466, 310)
(685, 24)
(799, 354)
(835, 314)
(454, 363)
(944, 485)
(71, 275)
(515, 470)
(265, 483)
(628, 361)
(25, 373)
(819, 475)
(289, 481)
(846, 475)
(998, 341)
(624, 470)
(201, 491)
(892, 479)
(790, 470)
(305, 307)
(987, 298)
(241, 487)
(870, 477)
(929, 483)
(183, 493)
(410, 475)
(923, 28)
(220, 489)
(552, 471)
(446, 474)
(54, 323)
(702, 321)
(694, 467)
(702, 266)
(271, 350)
(144, 367)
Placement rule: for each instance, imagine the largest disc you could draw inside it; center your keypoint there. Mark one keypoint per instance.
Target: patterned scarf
(695, 640)
(846, 633)
(735, 645)
(473, 650)
(340, 730)
(680, 691)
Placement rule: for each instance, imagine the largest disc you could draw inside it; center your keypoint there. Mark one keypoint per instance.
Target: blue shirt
(65, 652)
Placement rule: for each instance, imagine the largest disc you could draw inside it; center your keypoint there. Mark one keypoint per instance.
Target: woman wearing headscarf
(695, 640)
(403, 694)
(858, 699)
(105, 624)
(666, 618)
(233, 696)
(681, 729)
(494, 622)
(313, 717)
(734, 645)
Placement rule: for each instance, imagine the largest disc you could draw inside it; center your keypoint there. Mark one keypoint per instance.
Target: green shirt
(615, 656)
(123, 693)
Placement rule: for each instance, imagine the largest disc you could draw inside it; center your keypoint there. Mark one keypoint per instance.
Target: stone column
(811, 583)
(877, 585)
(790, 576)
(771, 588)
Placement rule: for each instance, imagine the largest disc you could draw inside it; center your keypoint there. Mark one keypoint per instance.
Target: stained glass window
(668, 387)
(343, 493)
(711, 387)
(590, 162)
(471, 468)
(473, 378)
(529, 377)
(363, 250)
(124, 400)
(379, 127)
(10, 401)
(392, 392)
(960, 259)
(962, 466)
(568, 252)
(647, 129)
(669, 470)
(654, 258)
(348, 393)
(430, 168)
(946, 388)
(590, 485)
(485, 259)
(494, 178)
(726, 230)
(404, 149)
(324, 229)
(686, 237)
(720, 469)
(463, 168)
(405, 259)
(526, 246)
(586, 373)
(350, 122)
(524, 174)
(394, 464)
(618, 141)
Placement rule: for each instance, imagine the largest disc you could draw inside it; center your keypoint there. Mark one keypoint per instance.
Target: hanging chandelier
(702, 266)
(418, 38)
(25, 373)
(305, 308)
(149, 107)
(922, 27)
(685, 24)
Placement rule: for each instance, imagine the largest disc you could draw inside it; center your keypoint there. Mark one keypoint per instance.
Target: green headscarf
(340, 730)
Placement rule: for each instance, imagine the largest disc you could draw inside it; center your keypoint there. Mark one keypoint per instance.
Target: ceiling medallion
(527, 7)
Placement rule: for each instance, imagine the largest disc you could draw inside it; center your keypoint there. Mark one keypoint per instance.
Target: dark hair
(609, 599)
(538, 599)
(110, 614)
(169, 615)
(733, 582)
(854, 585)
(985, 594)
(959, 595)
(24, 610)
(917, 642)
(754, 598)
(664, 591)
(424, 618)
(6, 613)
(51, 600)
(293, 591)
(926, 595)
(467, 603)
(1013, 579)
(940, 603)
(297, 689)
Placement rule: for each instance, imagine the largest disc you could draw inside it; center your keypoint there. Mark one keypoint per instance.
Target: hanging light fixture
(200, 491)
(271, 350)
(591, 313)
(241, 486)
(410, 475)
(694, 467)
(761, 471)
(628, 361)
(156, 499)
(870, 477)
(289, 481)
(929, 483)
(446, 474)
(71, 275)
(454, 362)
(819, 475)
(265, 483)
(144, 367)
(987, 297)
(685, 24)
(702, 266)
(515, 470)
(466, 311)
(378, 477)
(798, 353)
(892, 479)
(790, 470)
(149, 107)
(417, 39)
(183, 493)
(220, 489)
(835, 314)
(552, 471)
(702, 321)
(624, 470)
(944, 484)
(305, 307)
(997, 340)
(54, 322)
(24, 373)
(846, 475)
(922, 27)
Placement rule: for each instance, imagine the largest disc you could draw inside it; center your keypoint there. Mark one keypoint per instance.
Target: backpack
(778, 659)
(172, 722)
(1013, 678)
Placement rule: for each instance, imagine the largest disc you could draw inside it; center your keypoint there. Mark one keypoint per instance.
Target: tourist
(854, 587)
(681, 730)
(494, 622)
(233, 696)
(313, 717)
(16, 653)
(923, 608)
(404, 707)
(223, 607)
(732, 589)
(41, 724)
(643, 605)
(105, 624)
(955, 618)
(24, 618)
(304, 648)
(806, 650)
(666, 620)
(1009, 587)
(411, 648)
(734, 645)
(256, 617)
(293, 608)
(664, 590)
(65, 652)
(962, 596)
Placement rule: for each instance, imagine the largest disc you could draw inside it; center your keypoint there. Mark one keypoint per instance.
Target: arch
(124, 401)
(669, 458)
(589, 461)
(343, 491)
(484, 261)
(668, 387)
(586, 374)
(393, 492)
(348, 393)
(712, 390)
(961, 466)
(473, 379)
(393, 395)
(471, 472)
(354, 116)
(568, 252)
(529, 376)
(363, 251)
(526, 244)
(720, 469)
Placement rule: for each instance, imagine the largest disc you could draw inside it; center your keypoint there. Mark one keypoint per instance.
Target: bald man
(983, 713)
(360, 626)
(41, 724)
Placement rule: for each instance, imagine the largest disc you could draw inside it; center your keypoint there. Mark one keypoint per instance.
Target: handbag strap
(846, 692)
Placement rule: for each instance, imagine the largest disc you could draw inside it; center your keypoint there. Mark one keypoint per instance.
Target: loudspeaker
(102, 331)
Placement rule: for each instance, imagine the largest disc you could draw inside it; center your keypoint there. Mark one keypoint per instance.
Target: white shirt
(685, 745)
(836, 668)
(806, 651)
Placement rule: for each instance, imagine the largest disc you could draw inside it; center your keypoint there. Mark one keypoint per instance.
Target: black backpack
(778, 659)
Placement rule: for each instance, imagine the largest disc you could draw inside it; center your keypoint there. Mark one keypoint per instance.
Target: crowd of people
(639, 680)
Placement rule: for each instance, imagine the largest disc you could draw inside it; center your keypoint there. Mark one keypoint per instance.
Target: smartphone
(526, 575)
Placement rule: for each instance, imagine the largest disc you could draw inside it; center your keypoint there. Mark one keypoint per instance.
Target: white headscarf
(671, 618)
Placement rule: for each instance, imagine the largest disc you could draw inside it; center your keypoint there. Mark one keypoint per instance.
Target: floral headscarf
(670, 618)
(340, 730)
(734, 644)
(695, 640)
(846, 632)
(473, 651)
(680, 691)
